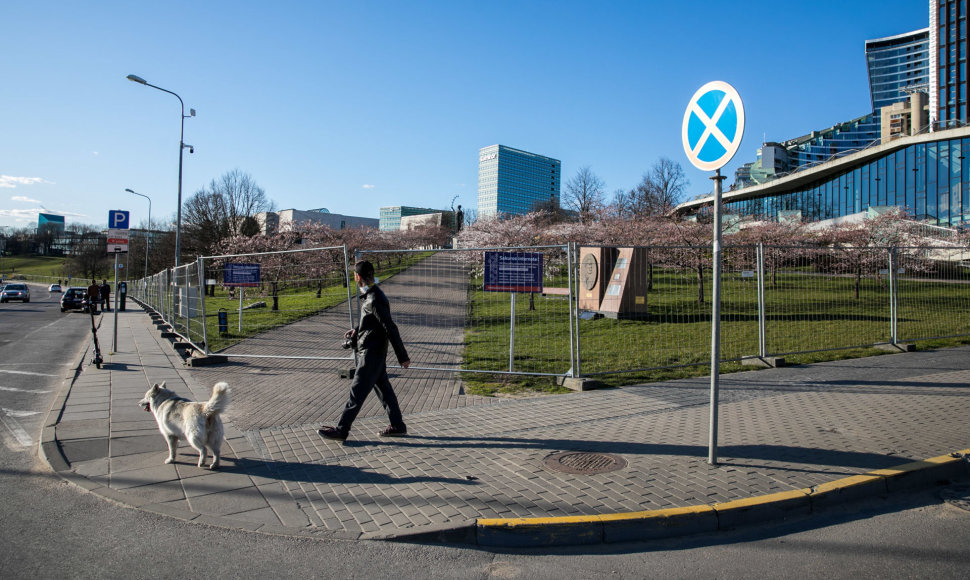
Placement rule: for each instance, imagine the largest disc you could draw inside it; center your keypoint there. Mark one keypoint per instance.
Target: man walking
(94, 297)
(374, 330)
(105, 296)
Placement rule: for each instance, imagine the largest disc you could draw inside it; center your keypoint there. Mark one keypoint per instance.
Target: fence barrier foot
(578, 383)
(202, 361)
(889, 347)
(771, 362)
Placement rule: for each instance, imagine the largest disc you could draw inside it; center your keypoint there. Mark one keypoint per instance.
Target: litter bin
(122, 295)
(223, 321)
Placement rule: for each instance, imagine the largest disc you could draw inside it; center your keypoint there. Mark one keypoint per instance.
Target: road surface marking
(22, 437)
(11, 389)
(28, 373)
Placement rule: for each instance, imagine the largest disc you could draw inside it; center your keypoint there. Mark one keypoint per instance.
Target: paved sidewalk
(471, 458)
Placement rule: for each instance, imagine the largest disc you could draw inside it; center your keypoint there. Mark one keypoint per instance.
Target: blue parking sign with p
(117, 219)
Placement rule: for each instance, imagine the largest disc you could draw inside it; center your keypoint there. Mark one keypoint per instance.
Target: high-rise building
(50, 221)
(897, 66)
(511, 181)
(948, 62)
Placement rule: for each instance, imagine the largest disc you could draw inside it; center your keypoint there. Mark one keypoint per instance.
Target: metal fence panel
(826, 298)
(450, 322)
(933, 293)
(299, 308)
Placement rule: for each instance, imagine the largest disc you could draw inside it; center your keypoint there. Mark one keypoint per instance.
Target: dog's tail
(219, 400)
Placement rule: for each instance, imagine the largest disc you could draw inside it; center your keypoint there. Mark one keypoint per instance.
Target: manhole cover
(957, 496)
(584, 463)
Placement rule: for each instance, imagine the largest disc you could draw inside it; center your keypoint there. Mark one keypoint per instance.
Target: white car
(54, 288)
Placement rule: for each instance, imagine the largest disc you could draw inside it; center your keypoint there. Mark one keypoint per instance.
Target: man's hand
(350, 333)
(406, 363)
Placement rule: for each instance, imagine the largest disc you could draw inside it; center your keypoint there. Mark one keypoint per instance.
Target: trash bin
(223, 321)
(122, 295)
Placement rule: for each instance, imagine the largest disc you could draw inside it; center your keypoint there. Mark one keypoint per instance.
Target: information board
(513, 272)
(246, 275)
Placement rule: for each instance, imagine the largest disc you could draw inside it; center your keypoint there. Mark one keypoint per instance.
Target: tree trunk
(700, 283)
(649, 277)
(858, 281)
(276, 299)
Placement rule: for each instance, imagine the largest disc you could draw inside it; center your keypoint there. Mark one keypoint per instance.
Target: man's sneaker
(329, 432)
(392, 431)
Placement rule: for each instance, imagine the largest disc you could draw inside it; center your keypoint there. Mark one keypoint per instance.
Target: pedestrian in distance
(369, 339)
(105, 295)
(94, 297)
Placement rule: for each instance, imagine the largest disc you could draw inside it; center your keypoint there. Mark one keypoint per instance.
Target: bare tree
(584, 193)
(219, 210)
(657, 194)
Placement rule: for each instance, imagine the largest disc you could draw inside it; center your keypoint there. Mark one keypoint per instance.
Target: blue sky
(355, 105)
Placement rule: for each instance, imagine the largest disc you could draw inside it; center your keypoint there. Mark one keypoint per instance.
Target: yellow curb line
(850, 482)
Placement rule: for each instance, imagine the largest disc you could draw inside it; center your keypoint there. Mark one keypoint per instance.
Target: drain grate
(584, 462)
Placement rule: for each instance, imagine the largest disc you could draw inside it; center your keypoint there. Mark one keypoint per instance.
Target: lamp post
(148, 236)
(182, 145)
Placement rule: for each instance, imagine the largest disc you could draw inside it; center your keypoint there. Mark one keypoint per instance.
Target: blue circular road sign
(713, 126)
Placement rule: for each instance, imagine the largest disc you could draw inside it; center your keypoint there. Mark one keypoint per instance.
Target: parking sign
(117, 219)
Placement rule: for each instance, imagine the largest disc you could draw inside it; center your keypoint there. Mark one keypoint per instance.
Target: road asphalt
(610, 465)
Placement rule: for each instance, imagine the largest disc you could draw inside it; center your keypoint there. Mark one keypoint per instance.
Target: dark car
(15, 291)
(73, 299)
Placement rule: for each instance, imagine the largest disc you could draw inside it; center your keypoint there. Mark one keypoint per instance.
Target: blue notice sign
(513, 272)
(241, 275)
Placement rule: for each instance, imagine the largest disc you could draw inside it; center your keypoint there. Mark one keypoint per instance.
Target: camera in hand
(349, 343)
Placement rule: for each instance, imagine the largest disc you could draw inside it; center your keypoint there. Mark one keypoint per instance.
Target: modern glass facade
(390, 217)
(896, 63)
(47, 220)
(948, 62)
(928, 177)
(511, 181)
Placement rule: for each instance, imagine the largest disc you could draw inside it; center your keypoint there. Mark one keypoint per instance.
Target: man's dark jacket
(376, 327)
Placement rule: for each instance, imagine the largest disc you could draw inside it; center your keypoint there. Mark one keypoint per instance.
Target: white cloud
(24, 198)
(10, 182)
(368, 186)
(31, 214)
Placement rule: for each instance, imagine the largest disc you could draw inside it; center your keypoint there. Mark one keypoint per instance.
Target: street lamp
(182, 145)
(148, 237)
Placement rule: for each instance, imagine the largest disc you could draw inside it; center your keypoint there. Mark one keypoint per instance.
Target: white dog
(179, 418)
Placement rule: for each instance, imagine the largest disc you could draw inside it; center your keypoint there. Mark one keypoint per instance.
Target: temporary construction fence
(557, 311)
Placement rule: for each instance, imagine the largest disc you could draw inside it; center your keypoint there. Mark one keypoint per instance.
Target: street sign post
(711, 134)
(513, 272)
(117, 244)
(243, 276)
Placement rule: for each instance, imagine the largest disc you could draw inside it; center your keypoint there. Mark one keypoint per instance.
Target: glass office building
(926, 174)
(50, 221)
(897, 64)
(948, 62)
(511, 181)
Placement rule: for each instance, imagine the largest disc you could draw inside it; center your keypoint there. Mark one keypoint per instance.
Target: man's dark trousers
(371, 373)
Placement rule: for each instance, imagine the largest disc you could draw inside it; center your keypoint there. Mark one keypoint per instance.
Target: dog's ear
(158, 387)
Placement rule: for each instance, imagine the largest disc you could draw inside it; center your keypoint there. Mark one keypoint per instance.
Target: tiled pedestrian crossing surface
(471, 457)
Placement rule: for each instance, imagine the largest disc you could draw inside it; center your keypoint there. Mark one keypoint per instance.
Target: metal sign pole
(512, 332)
(715, 321)
(114, 341)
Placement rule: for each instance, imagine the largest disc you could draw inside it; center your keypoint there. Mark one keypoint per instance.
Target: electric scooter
(97, 360)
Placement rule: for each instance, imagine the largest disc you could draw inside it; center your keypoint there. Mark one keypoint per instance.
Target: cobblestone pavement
(469, 457)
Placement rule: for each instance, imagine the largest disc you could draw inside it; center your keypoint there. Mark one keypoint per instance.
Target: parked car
(54, 288)
(15, 291)
(74, 299)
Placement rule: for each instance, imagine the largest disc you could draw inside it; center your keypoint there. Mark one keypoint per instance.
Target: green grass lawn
(31, 266)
